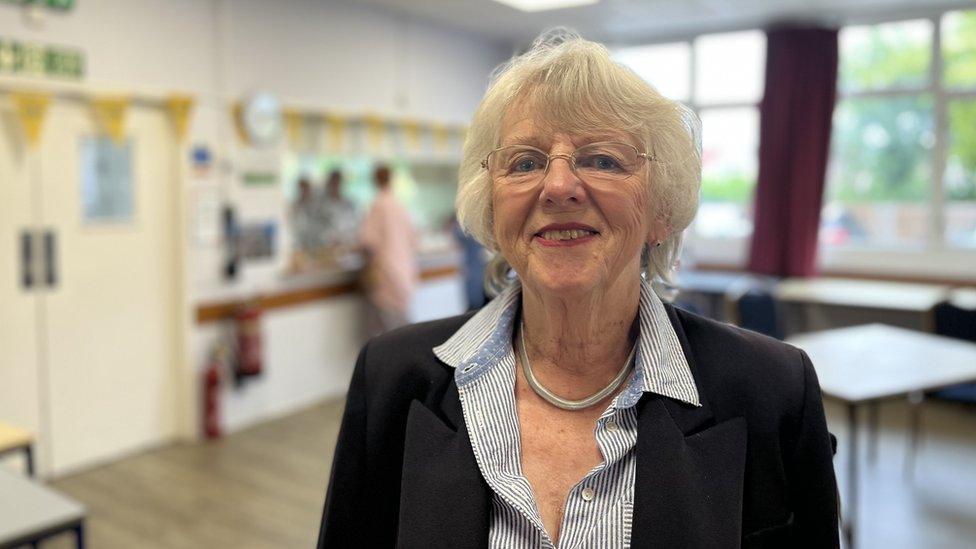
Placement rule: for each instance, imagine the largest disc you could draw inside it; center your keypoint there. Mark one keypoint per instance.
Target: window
(903, 154)
(720, 76)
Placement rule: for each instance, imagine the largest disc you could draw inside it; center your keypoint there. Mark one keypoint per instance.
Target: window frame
(935, 258)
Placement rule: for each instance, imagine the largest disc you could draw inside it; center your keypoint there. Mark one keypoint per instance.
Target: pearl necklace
(567, 404)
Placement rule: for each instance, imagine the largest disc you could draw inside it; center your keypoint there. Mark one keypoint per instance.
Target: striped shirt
(599, 509)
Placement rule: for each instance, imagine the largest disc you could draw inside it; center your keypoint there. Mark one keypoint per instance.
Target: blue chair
(750, 304)
(951, 320)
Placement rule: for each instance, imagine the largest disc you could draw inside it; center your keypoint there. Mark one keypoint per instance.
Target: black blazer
(751, 467)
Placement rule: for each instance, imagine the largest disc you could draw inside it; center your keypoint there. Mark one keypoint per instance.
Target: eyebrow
(534, 140)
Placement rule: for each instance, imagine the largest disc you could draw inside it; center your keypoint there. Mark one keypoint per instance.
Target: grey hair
(576, 86)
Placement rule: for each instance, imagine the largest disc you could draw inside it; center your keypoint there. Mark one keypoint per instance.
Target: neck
(578, 343)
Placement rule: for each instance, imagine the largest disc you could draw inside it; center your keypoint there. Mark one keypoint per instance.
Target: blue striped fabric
(598, 510)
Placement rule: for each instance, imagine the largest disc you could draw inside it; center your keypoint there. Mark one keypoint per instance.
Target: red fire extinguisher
(211, 396)
(248, 319)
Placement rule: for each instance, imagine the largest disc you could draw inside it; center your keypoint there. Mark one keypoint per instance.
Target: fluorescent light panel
(543, 5)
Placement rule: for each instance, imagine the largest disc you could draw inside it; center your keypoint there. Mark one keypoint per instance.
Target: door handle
(50, 259)
(27, 259)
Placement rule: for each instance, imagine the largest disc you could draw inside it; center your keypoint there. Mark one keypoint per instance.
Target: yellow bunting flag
(237, 115)
(31, 108)
(412, 129)
(293, 127)
(337, 127)
(110, 114)
(440, 136)
(374, 128)
(179, 108)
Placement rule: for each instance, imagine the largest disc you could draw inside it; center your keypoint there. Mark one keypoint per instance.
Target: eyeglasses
(595, 162)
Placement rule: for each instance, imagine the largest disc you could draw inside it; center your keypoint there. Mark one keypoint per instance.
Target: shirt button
(587, 494)
(612, 426)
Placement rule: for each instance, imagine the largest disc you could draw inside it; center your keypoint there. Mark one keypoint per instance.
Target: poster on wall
(107, 194)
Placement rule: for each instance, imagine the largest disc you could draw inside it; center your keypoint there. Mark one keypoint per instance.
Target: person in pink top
(390, 243)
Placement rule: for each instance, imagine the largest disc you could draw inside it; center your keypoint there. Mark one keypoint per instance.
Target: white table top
(876, 361)
(28, 507)
(898, 296)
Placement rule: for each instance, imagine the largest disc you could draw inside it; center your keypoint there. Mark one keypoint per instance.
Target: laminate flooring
(259, 488)
(264, 487)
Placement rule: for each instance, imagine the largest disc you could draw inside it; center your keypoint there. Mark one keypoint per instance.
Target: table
(863, 301)
(31, 512)
(865, 364)
(709, 287)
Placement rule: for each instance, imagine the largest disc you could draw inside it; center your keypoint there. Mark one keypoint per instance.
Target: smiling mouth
(562, 235)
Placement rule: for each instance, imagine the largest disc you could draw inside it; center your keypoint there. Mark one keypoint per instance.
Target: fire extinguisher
(248, 318)
(211, 395)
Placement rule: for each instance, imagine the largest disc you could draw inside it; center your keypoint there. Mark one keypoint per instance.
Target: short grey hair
(577, 87)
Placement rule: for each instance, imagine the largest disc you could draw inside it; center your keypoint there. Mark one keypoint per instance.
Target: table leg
(873, 431)
(915, 399)
(851, 521)
(29, 454)
(80, 535)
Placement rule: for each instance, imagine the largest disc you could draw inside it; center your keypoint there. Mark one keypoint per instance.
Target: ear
(658, 232)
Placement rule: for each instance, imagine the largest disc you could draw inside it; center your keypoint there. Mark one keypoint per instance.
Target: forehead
(525, 124)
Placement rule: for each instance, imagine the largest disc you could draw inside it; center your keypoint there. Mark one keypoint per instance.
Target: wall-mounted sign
(53, 4)
(26, 59)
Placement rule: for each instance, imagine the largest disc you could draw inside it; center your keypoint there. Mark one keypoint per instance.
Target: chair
(750, 304)
(13, 439)
(953, 319)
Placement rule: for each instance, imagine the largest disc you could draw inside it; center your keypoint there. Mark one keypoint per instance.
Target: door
(19, 404)
(109, 319)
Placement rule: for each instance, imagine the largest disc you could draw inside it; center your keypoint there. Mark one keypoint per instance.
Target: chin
(564, 281)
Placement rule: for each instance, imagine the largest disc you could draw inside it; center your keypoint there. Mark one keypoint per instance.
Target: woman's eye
(601, 162)
(525, 164)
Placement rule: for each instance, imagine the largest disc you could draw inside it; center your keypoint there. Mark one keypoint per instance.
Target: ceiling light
(543, 5)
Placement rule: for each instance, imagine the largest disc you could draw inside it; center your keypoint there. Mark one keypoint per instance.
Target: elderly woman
(577, 409)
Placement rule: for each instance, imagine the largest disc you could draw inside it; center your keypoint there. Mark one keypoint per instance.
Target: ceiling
(624, 21)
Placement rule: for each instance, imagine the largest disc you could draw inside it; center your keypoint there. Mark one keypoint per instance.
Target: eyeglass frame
(571, 158)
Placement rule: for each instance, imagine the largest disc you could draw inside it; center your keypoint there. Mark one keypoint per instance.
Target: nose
(561, 186)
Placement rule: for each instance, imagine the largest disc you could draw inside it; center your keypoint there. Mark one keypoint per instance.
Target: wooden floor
(264, 487)
(260, 488)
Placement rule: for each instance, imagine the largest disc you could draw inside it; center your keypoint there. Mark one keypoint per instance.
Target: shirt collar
(662, 367)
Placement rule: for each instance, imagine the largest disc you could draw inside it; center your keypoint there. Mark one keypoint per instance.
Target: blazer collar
(661, 362)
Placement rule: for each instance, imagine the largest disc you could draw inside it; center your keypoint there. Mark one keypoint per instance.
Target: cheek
(628, 214)
(509, 212)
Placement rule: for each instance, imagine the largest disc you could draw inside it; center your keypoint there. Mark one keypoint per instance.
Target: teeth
(569, 234)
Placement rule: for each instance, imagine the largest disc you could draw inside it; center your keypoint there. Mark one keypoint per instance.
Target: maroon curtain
(794, 140)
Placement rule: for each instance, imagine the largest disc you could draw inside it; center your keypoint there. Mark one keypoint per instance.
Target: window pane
(730, 158)
(960, 175)
(959, 48)
(884, 56)
(730, 68)
(667, 67)
(879, 172)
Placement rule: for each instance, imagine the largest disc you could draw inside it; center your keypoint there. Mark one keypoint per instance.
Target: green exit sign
(53, 4)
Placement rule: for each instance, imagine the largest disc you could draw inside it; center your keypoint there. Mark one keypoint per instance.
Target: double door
(88, 305)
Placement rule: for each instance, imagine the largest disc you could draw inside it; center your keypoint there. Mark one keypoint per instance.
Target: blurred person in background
(389, 243)
(339, 217)
(473, 265)
(577, 409)
(306, 220)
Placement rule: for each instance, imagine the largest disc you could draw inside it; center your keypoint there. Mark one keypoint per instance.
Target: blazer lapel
(688, 489)
(444, 501)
